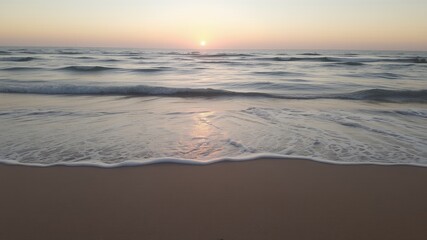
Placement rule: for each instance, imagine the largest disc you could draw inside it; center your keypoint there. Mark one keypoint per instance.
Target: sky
(221, 24)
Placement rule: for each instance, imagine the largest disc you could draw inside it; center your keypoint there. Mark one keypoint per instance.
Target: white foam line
(134, 163)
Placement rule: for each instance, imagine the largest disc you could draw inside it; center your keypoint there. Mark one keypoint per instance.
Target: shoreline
(257, 199)
(191, 162)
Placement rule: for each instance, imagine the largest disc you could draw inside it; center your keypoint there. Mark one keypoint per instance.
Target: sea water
(114, 107)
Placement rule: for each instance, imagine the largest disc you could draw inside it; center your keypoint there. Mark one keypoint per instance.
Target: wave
(207, 55)
(8, 81)
(4, 53)
(180, 53)
(345, 64)
(297, 59)
(148, 70)
(419, 60)
(145, 90)
(351, 63)
(31, 52)
(18, 59)
(124, 54)
(219, 62)
(21, 69)
(267, 85)
(137, 90)
(86, 68)
(18, 49)
(248, 157)
(310, 54)
(344, 60)
(130, 53)
(312, 59)
(387, 75)
(278, 73)
(69, 52)
(139, 58)
(412, 113)
(408, 112)
(223, 55)
(85, 58)
(388, 95)
(384, 75)
(276, 59)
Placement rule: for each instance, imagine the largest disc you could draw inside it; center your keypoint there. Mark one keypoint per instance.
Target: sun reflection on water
(199, 144)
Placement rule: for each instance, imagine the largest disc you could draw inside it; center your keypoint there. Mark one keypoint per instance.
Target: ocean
(116, 107)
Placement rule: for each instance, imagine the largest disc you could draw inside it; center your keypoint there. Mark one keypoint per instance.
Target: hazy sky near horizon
(260, 24)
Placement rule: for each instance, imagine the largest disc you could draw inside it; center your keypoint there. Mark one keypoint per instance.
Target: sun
(202, 43)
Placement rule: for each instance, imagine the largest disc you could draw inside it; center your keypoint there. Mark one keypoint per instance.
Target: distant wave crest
(310, 54)
(295, 59)
(69, 52)
(223, 55)
(210, 55)
(343, 60)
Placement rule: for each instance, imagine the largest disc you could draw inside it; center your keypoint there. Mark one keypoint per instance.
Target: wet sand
(260, 199)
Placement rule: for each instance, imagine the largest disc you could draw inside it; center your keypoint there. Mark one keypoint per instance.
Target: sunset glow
(272, 24)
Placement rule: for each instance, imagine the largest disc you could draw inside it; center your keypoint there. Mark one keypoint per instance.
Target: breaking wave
(145, 90)
(223, 55)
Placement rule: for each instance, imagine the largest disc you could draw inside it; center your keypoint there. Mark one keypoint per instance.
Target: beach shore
(260, 199)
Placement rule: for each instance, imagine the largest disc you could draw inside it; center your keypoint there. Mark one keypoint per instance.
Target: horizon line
(215, 49)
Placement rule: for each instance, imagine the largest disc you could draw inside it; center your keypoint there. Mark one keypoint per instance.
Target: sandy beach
(261, 199)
